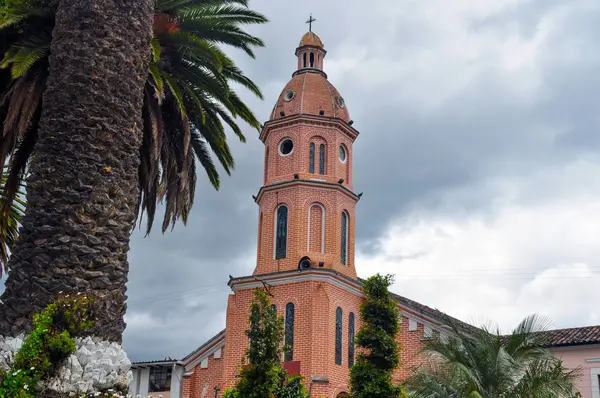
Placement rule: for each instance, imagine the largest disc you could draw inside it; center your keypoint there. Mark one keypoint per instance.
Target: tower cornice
(308, 183)
(309, 120)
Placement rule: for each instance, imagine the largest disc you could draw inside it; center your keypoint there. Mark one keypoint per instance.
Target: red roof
(572, 336)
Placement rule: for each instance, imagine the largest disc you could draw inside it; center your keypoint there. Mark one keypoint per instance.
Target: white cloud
(530, 256)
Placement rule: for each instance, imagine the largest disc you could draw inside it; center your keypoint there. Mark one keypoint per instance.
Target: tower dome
(309, 91)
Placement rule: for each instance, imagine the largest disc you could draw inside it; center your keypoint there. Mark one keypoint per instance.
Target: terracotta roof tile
(572, 336)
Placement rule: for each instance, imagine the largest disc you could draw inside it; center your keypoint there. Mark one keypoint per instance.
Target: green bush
(48, 345)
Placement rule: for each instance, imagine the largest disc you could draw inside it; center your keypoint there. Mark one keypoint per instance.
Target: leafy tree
(9, 224)
(379, 353)
(263, 376)
(188, 98)
(133, 92)
(482, 363)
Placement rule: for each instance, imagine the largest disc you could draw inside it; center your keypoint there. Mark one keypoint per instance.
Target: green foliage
(263, 376)
(379, 354)
(189, 98)
(10, 218)
(48, 345)
(481, 362)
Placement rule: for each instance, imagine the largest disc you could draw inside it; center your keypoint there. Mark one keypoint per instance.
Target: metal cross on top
(309, 22)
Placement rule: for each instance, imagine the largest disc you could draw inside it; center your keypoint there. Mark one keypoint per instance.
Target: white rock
(94, 366)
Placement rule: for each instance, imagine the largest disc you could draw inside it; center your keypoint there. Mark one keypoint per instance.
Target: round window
(289, 95)
(286, 147)
(342, 154)
(341, 102)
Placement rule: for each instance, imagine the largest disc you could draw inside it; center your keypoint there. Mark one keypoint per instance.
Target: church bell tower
(307, 205)
(306, 224)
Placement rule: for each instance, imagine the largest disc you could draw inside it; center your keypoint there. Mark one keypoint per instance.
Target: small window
(289, 333)
(427, 332)
(289, 95)
(286, 147)
(338, 336)
(304, 60)
(311, 158)
(412, 325)
(218, 353)
(322, 159)
(344, 243)
(312, 60)
(204, 364)
(351, 340)
(281, 233)
(160, 379)
(342, 154)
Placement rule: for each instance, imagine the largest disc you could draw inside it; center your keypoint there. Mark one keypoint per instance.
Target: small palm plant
(9, 224)
(482, 363)
(188, 101)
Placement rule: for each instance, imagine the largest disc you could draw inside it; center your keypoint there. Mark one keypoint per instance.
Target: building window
(281, 232)
(338, 336)
(311, 158)
(316, 228)
(322, 159)
(274, 308)
(344, 243)
(289, 332)
(160, 379)
(304, 60)
(351, 340)
(312, 60)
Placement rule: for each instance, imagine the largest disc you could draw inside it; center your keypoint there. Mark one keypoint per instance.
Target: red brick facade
(312, 178)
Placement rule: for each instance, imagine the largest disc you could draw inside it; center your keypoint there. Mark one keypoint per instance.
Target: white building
(157, 379)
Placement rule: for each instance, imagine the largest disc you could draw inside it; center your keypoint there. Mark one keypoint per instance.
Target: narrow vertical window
(351, 340)
(322, 159)
(311, 158)
(289, 332)
(281, 233)
(266, 164)
(274, 308)
(304, 60)
(338, 336)
(312, 60)
(344, 245)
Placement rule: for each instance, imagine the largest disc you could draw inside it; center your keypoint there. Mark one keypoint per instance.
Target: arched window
(322, 159)
(316, 228)
(281, 232)
(274, 308)
(266, 164)
(312, 60)
(304, 60)
(351, 339)
(344, 243)
(338, 336)
(289, 332)
(311, 158)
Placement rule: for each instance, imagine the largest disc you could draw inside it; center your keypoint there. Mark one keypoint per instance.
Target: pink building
(580, 347)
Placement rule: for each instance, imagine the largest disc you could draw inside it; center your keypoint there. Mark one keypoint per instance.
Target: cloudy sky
(479, 159)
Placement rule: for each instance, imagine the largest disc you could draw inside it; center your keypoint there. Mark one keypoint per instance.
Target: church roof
(310, 39)
(310, 93)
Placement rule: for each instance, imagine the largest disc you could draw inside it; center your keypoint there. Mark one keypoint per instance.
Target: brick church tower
(305, 248)
(306, 226)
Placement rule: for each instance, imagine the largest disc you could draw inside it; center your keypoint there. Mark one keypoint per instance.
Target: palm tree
(482, 363)
(126, 108)
(9, 224)
(188, 101)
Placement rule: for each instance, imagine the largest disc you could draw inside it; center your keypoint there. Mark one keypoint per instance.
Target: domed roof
(310, 39)
(310, 93)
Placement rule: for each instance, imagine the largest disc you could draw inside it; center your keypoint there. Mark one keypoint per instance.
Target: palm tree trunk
(82, 192)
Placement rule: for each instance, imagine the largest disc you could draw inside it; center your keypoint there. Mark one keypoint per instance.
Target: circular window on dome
(286, 147)
(289, 95)
(341, 102)
(342, 154)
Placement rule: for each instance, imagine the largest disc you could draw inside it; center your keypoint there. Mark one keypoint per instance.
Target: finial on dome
(309, 22)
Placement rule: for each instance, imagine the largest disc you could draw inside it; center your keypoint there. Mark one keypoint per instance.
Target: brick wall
(202, 382)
